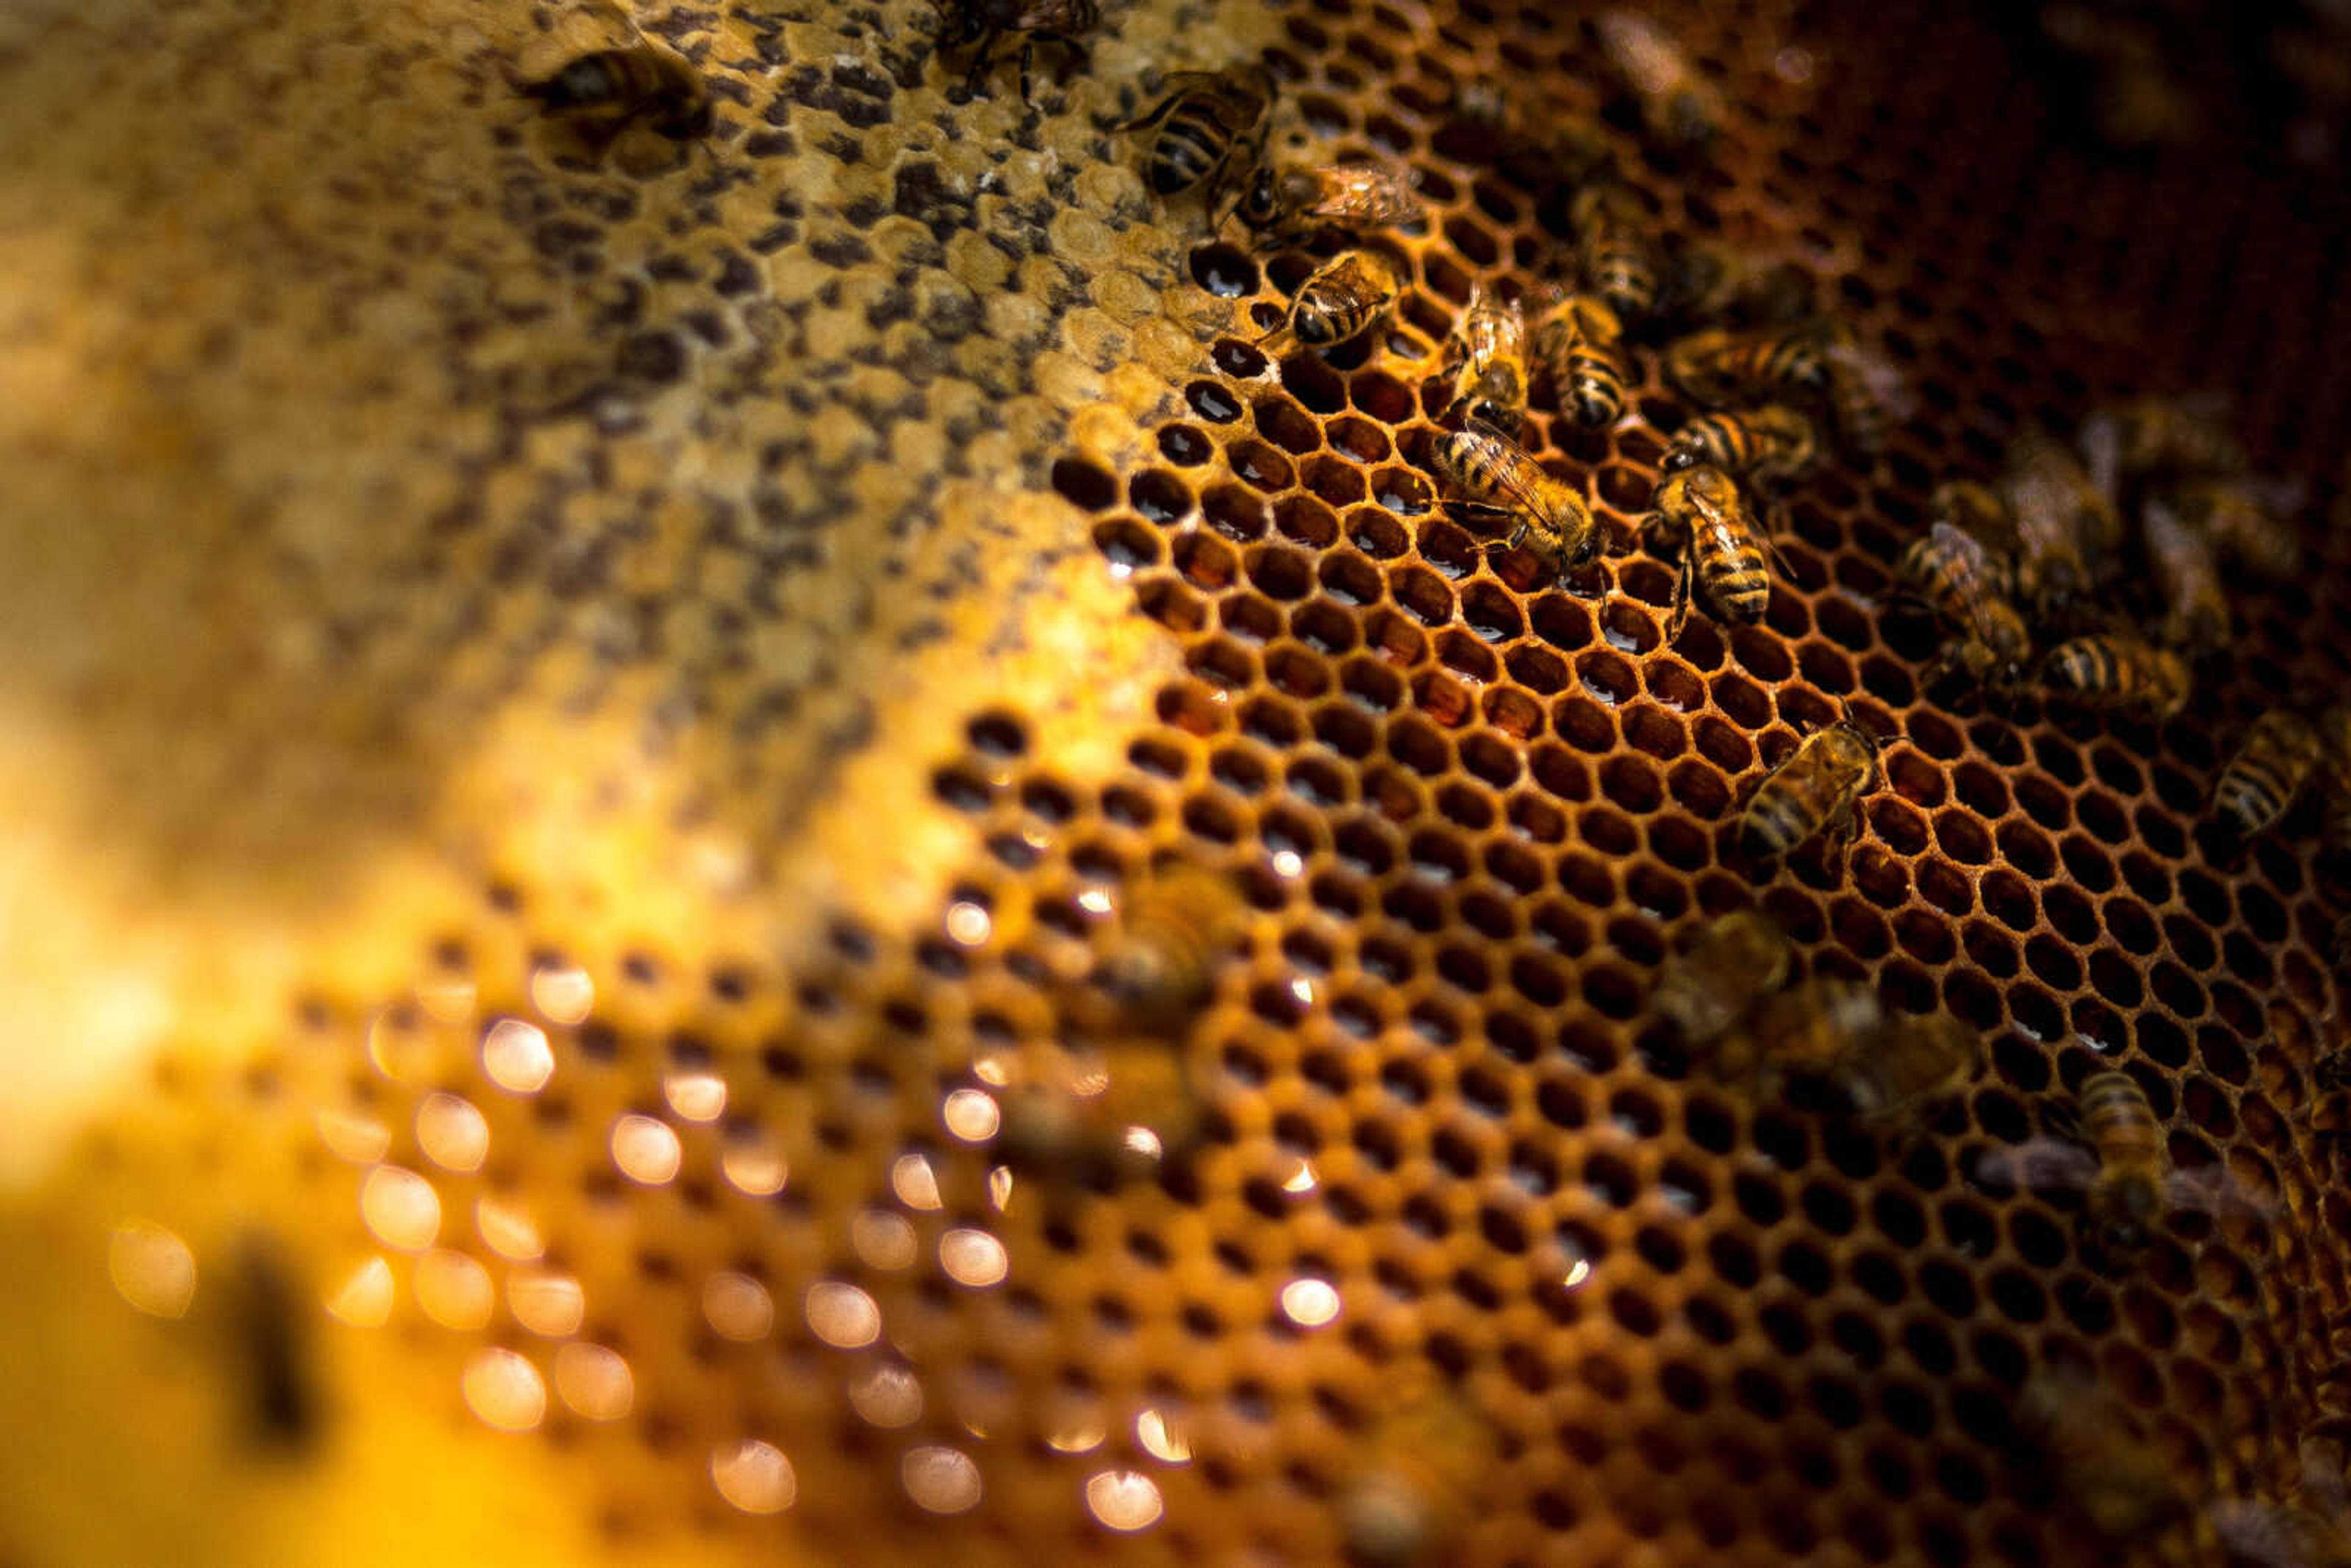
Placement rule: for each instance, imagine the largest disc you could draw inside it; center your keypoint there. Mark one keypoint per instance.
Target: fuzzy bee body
(1804, 1033)
(1707, 284)
(964, 23)
(2120, 673)
(1288, 204)
(1908, 1064)
(2065, 525)
(1210, 129)
(1489, 354)
(1982, 514)
(1737, 960)
(1700, 511)
(2151, 437)
(1719, 367)
(2127, 1200)
(2245, 521)
(1967, 587)
(2278, 756)
(1616, 249)
(607, 91)
(2186, 575)
(1815, 788)
(1867, 393)
(1339, 300)
(1160, 970)
(1767, 444)
(1495, 473)
(1579, 342)
(2106, 1477)
(1679, 108)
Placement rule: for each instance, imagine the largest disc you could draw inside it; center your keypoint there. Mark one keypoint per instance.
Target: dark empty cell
(2017, 1297)
(2176, 988)
(2008, 898)
(2117, 771)
(2026, 849)
(1827, 668)
(1313, 383)
(1923, 937)
(1213, 401)
(1335, 479)
(1741, 701)
(1238, 359)
(1948, 1288)
(1607, 676)
(1260, 466)
(2103, 815)
(1284, 423)
(1585, 725)
(2057, 757)
(2089, 1307)
(1943, 886)
(2044, 801)
(1223, 271)
(1764, 653)
(1206, 561)
(1126, 544)
(2115, 979)
(1381, 396)
(2164, 836)
(1235, 512)
(1611, 833)
(1401, 490)
(2053, 963)
(1963, 838)
(1351, 580)
(1886, 679)
(1093, 488)
(1279, 572)
(1723, 744)
(2036, 1012)
(2262, 914)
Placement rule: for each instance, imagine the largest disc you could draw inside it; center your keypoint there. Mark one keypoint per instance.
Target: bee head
(1261, 203)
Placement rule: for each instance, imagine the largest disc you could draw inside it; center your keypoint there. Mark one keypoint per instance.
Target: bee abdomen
(1776, 823)
(2261, 780)
(2085, 665)
(1188, 151)
(1743, 590)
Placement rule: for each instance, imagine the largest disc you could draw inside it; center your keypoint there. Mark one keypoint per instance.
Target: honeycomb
(687, 655)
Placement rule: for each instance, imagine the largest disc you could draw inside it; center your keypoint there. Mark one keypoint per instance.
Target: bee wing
(1877, 374)
(1383, 195)
(2274, 1537)
(1519, 495)
(2210, 1190)
(2039, 1163)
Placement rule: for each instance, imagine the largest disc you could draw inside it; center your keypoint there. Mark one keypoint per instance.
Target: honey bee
(1160, 972)
(2279, 755)
(2180, 561)
(1707, 283)
(2152, 436)
(1290, 204)
(1534, 141)
(1579, 341)
(2065, 523)
(1768, 445)
(1953, 572)
(1497, 476)
(1679, 108)
(1867, 392)
(2334, 738)
(2125, 1172)
(271, 1329)
(1801, 1034)
(1414, 1487)
(1978, 511)
(2245, 519)
(1211, 131)
(2105, 1476)
(1815, 790)
(1339, 300)
(1700, 511)
(1737, 959)
(1100, 1117)
(1614, 248)
(1885, 1067)
(963, 23)
(606, 91)
(1487, 355)
(1719, 366)
(2120, 673)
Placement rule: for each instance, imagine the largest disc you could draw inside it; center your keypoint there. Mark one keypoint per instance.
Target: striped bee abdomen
(2269, 771)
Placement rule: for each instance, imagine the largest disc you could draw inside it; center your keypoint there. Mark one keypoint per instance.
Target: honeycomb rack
(690, 653)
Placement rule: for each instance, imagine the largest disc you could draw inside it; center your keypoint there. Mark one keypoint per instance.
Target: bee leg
(1679, 617)
(979, 64)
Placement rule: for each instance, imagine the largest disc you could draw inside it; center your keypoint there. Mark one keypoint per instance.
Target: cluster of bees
(1776, 382)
